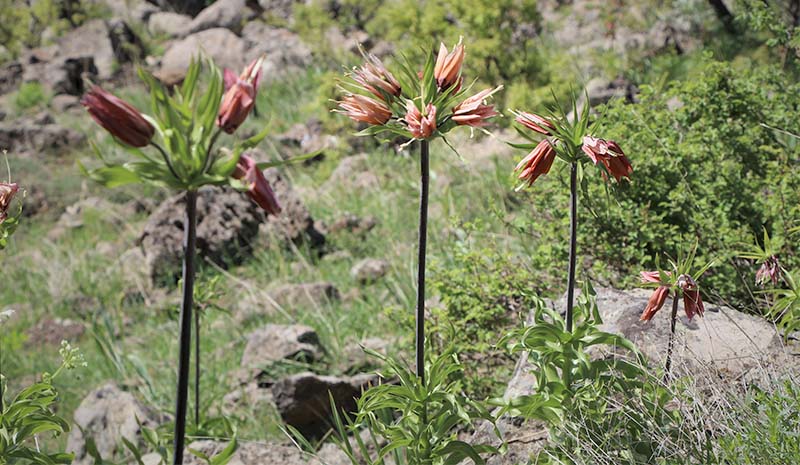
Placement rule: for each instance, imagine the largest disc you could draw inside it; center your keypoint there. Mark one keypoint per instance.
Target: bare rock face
(304, 400)
(274, 343)
(169, 23)
(369, 270)
(283, 50)
(93, 49)
(227, 224)
(295, 223)
(36, 135)
(10, 76)
(223, 46)
(251, 453)
(228, 14)
(107, 415)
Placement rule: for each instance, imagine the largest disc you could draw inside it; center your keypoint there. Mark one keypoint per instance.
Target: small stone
(369, 270)
(274, 343)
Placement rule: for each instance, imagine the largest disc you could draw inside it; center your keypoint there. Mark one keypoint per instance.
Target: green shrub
(30, 95)
(482, 294)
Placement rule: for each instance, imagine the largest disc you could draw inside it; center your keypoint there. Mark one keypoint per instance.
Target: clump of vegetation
(30, 95)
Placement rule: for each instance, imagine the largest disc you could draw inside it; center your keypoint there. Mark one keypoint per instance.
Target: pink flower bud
(118, 117)
(240, 96)
(258, 187)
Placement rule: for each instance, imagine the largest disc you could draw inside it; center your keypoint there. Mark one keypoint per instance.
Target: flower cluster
(560, 134)
(770, 271)
(692, 302)
(134, 129)
(417, 105)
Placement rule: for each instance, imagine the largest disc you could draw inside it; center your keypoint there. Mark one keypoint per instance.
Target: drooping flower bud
(447, 70)
(258, 187)
(240, 96)
(7, 193)
(609, 154)
(692, 303)
(421, 126)
(770, 271)
(536, 163)
(118, 117)
(365, 109)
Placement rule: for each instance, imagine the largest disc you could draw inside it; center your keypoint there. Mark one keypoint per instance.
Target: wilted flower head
(474, 111)
(692, 303)
(448, 66)
(609, 154)
(421, 126)
(536, 163)
(7, 193)
(240, 96)
(376, 79)
(365, 109)
(258, 187)
(770, 271)
(118, 117)
(535, 122)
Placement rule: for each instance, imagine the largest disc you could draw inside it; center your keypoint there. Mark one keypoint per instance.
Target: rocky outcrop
(36, 135)
(220, 44)
(304, 400)
(353, 174)
(274, 343)
(369, 270)
(284, 52)
(168, 23)
(227, 225)
(94, 49)
(107, 415)
(228, 14)
(51, 331)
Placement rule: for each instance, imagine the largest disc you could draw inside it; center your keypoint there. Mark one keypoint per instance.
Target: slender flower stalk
(427, 105)
(424, 164)
(185, 338)
(566, 138)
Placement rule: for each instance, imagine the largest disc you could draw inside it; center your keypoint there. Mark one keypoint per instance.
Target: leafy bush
(483, 293)
(30, 95)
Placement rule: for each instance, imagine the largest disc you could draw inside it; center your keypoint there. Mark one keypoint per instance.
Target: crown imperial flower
(610, 154)
(365, 109)
(376, 79)
(447, 70)
(535, 122)
(118, 117)
(770, 270)
(7, 193)
(259, 189)
(655, 303)
(536, 163)
(240, 96)
(421, 127)
(474, 111)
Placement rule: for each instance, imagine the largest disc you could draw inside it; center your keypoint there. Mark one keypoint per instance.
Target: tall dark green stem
(573, 241)
(673, 318)
(189, 242)
(424, 163)
(196, 368)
